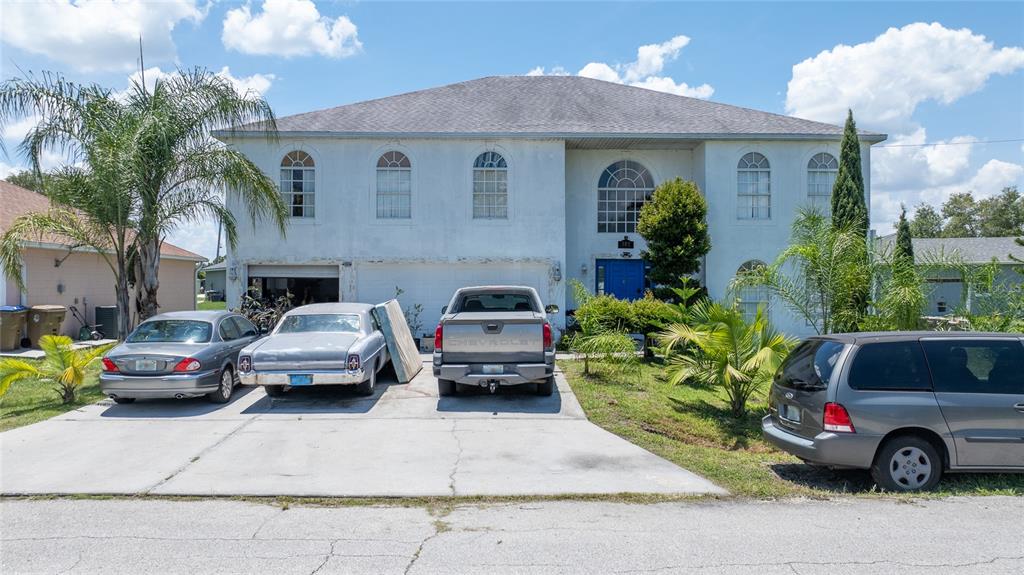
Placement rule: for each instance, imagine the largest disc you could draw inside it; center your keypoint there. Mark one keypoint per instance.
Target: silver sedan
(178, 354)
(318, 344)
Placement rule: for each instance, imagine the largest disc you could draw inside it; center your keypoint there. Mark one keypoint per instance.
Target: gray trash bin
(45, 320)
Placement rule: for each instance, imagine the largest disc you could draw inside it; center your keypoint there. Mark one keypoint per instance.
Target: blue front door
(623, 279)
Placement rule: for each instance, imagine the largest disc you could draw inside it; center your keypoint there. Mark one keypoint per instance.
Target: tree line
(962, 216)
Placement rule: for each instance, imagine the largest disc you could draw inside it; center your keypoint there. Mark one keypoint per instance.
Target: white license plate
(493, 369)
(145, 365)
(789, 413)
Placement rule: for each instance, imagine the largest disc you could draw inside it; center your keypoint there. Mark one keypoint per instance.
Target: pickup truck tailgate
(494, 337)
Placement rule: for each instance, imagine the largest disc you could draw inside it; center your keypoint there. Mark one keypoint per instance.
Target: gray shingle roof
(566, 106)
(970, 250)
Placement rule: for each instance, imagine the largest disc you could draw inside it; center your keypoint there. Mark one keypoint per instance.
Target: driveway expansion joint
(201, 453)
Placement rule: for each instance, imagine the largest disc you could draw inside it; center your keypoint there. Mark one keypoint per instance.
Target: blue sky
(958, 75)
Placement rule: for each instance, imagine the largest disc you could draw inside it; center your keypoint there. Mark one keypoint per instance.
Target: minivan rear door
(979, 384)
(800, 388)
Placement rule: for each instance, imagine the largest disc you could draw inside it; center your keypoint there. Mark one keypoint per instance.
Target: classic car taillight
(188, 364)
(437, 337)
(353, 362)
(548, 339)
(245, 363)
(109, 366)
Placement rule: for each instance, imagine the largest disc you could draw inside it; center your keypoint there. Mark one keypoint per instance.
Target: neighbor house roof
(553, 106)
(17, 201)
(967, 250)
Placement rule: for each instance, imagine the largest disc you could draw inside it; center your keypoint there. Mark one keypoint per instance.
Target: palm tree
(721, 349)
(820, 275)
(142, 163)
(91, 199)
(63, 366)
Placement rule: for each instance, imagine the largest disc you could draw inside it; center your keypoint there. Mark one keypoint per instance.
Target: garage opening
(302, 284)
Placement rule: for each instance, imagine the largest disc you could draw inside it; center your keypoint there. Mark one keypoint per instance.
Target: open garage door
(432, 285)
(304, 284)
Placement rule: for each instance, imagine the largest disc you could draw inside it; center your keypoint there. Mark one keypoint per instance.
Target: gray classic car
(178, 354)
(317, 344)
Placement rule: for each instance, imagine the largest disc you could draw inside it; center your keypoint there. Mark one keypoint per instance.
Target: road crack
(458, 457)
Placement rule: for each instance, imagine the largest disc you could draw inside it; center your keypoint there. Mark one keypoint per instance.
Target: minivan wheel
(907, 463)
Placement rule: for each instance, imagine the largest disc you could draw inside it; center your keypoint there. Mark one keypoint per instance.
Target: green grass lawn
(211, 305)
(692, 426)
(29, 401)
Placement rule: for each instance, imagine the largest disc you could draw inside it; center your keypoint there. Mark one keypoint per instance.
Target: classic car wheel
(274, 390)
(124, 400)
(227, 385)
(445, 387)
(546, 387)
(366, 387)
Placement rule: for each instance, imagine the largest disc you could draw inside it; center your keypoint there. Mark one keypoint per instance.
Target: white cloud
(97, 35)
(642, 72)
(197, 236)
(289, 28)
(884, 80)
(258, 83)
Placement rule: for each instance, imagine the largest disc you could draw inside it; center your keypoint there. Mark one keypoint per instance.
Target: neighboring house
(948, 292)
(54, 274)
(215, 277)
(520, 180)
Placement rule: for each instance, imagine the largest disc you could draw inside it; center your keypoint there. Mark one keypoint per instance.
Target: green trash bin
(12, 324)
(44, 320)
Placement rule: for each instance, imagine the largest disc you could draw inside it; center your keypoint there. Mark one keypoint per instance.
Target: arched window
(394, 186)
(624, 187)
(752, 298)
(755, 191)
(298, 189)
(821, 176)
(490, 187)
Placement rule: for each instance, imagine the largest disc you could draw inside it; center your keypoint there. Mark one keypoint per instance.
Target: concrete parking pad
(403, 441)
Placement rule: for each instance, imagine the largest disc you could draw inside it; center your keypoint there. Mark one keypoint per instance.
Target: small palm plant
(721, 349)
(63, 366)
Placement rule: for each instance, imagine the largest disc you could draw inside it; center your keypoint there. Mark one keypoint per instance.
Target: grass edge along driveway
(691, 427)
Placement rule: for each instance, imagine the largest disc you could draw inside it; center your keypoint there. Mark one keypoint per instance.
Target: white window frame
(625, 184)
(819, 194)
(750, 299)
(288, 193)
(753, 187)
(490, 186)
(394, 166)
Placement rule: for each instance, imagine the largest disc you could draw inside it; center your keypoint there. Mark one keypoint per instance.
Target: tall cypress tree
(849, 208)
(904, 250)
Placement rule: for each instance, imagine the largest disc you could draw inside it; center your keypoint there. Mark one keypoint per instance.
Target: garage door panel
(433, 285)
(292, 271)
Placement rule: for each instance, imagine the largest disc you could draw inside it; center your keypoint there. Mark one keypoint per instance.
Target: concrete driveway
(403, 441)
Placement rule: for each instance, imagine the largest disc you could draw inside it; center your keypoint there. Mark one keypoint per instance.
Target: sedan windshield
(320, 322)
(173, 331)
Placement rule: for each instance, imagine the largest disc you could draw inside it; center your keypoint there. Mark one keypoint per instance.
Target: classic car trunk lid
(494, 337)
(303, 351)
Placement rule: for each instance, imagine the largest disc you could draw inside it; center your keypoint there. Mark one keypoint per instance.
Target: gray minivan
(906, 405)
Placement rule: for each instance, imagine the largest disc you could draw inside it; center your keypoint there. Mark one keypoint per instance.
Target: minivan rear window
(810, 365)
(890, 366)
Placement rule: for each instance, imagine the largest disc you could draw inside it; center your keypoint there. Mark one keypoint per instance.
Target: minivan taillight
(437, 337)
(548, 340)
(837, 419)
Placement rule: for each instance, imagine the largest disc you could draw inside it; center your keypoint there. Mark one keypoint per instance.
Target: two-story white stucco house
(520, 180)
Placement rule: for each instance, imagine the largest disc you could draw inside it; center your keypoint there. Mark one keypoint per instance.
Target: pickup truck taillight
(548, 339)
(437, 337)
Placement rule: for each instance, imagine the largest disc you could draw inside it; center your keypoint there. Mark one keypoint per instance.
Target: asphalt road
(402, 441)
(964, 536)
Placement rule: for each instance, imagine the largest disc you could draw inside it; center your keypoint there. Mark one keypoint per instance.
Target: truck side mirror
(444, 309)
(552, 309)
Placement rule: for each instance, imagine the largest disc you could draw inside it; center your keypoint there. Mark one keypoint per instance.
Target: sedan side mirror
(552, 309)
(264, 330)
(444, 310)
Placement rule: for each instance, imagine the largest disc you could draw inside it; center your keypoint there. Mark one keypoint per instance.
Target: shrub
(611, 348)
(605, 313)
(674, 224)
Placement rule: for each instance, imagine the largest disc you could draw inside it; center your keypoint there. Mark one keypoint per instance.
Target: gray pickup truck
(491, 336)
